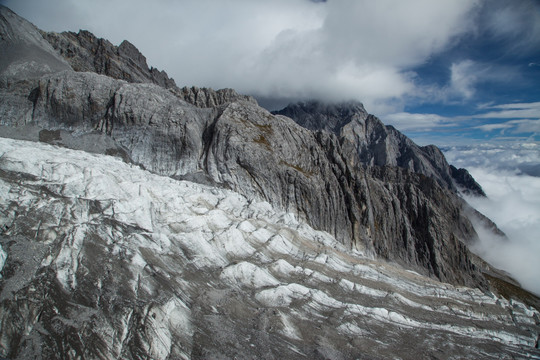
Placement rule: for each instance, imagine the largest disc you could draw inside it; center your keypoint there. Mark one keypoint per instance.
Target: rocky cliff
(85, 52)
(373, 191)
(375, 144)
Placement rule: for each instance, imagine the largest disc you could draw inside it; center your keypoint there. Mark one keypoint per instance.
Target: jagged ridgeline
(334, 167)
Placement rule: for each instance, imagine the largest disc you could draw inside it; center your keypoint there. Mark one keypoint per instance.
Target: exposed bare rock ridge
(85, 52)
(465, 182)
(377, 144)
(208, 98)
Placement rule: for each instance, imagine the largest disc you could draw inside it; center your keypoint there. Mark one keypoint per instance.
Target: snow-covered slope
(106, 260)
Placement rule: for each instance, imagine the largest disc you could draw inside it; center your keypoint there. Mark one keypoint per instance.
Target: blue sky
(495, 72)
(445, 72)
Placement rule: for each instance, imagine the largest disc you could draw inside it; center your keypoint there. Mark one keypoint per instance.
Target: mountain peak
(87, 53)
(318, 115)
(375, 144)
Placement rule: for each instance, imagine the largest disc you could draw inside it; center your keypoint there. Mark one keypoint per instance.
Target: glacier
(113, 261)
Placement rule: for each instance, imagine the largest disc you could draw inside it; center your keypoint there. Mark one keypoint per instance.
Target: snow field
(247, 244)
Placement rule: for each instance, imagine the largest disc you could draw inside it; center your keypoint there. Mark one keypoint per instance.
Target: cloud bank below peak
(510, 176)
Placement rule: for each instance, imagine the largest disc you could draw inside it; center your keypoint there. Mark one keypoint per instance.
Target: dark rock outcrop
(375, 143)
(465, 182)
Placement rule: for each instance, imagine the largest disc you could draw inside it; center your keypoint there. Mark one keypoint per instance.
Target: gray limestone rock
(207, 98)
(375, 143)
(25, 55)
(85, 52)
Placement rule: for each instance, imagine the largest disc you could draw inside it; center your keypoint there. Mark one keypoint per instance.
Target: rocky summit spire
(85, 52)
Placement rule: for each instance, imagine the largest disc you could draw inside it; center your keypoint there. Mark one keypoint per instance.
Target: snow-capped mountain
(144, 221)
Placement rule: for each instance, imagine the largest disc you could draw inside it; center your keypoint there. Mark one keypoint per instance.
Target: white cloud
(463, 78)
(404, 121)
(499, 122)
(525, 118)
(491, 127)
(466, 75)
(514, 126)
(348, 49)
(495, 156)
(513, 203)
(514, 111)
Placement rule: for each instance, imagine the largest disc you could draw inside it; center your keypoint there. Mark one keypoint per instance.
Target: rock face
(85, 52)
(378, 145)
(465, 182)
(375, 193)
(25, 54)
(208, 98)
